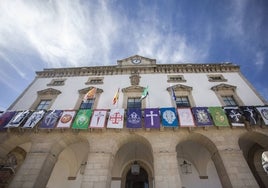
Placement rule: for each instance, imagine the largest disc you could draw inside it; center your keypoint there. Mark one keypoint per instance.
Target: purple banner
(134, 118)
(50, 119)
(151, 118)
(5, 118)
(202, 117)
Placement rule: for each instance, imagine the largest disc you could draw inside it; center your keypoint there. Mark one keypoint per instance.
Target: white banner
(98, 119)
(34, 119)
(66, 119)
(116, 119)
(185, 117)
(18, 119)
(264, 113)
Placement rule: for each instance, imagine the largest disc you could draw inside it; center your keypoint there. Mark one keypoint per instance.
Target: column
(237, 169)
(166, 170)
(98, 170)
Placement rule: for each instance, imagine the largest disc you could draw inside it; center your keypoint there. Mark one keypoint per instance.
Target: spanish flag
(116, 96)
(90, 94)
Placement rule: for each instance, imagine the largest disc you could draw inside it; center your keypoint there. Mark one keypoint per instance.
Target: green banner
(82, 119)
(218, 116)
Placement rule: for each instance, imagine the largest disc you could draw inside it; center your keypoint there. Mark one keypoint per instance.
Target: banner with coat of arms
(218, 115)
(18, 119)
(50, 119)
(134, 118)
(82, 119)
(66, 119)
(264, 113)
(185, 117)
(169, 117)
(202, 117)
(34, 119)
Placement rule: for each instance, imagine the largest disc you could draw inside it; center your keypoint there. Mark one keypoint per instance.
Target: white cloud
(259, 60)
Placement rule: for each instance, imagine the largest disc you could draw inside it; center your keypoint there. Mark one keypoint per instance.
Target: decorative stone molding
(49, 91)
(133, 89)
(180, 87)
(223, 87)
(135, 79)
(85, 90)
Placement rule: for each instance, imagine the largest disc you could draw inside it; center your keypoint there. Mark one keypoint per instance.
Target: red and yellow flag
(116, 96)
(90, 94)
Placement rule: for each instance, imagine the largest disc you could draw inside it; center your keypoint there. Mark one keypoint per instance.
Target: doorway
(137, 181)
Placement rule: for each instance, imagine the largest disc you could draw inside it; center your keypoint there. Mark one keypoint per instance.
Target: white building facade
(214, 155)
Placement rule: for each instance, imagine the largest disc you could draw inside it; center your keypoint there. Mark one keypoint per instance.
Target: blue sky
(69, 33)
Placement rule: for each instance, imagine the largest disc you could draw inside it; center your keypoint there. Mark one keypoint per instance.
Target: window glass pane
(182, 101)
(133, 103)
(88, 104)
(229, 101)
(43, 105)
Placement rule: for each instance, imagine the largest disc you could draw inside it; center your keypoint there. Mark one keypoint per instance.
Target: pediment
(135, 61)
(85, 90)
(180, 87)
(49, 91)
(223, 87)
(133, 89)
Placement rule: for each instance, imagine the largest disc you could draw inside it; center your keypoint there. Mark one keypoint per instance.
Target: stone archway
(203, 154)
(134, 149)
(253, 145)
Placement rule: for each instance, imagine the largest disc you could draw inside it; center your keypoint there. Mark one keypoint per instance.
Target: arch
(207, 148)
(253, 144)
(131, 148)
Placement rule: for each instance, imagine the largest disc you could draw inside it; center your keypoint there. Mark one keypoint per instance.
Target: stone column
(35, 170)
(166, 170)
(237, 169)
(98, 170)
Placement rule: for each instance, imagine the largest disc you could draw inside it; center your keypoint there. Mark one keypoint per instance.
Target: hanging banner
(201, 116)
(51, 118)
(151, 118)
(82, 119)
(250, 114)
(98, 119)
(134, 118)
(5, 118)
(34, 119)
(66, 119)
(218, 116)
(186, 118)
(235, 116)
(18, 119)
(169, 118)
(116, 118)
(264, 113)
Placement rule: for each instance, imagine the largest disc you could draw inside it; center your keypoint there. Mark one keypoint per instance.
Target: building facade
(187, 142)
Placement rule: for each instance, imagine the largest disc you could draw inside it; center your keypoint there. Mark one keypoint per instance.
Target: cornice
(120, 70)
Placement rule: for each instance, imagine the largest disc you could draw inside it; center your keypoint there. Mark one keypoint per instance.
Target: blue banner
(5, 118)
(134, 118)
(169, 117)
(202, 117)
(50, 119)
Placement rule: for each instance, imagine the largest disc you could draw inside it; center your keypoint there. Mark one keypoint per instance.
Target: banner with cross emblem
(98, 119)
(116, 118)
(151, 118)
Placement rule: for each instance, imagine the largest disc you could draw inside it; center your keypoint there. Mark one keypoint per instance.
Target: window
(43, 105)
(95, 80)
(175, 78)
(229, 101)
(88, 104)
(133, 103)
(216, 78)
(56, 82)
(182, 101)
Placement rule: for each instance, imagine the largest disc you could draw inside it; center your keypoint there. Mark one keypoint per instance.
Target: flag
(250, 114)
(235, 116)
(169, 118)
(34, 119)
(18, 119)
(82, 119)
(144, 93)
(116, 96)
(98, 119)
(50, 119)
(134, 118)
(185, 117)
(151, 118)
(202, 117)
(90, 94)
(218, 116)
(116, 118)
(66, 119)
(5, 118)
(264, 113)
(173, 94)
